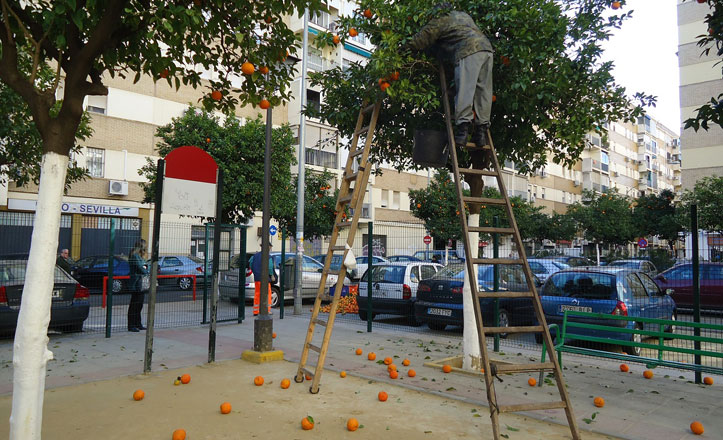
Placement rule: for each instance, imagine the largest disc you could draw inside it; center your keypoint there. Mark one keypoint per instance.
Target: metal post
(496, 279)
(696, 285)
(242, 277)
(150, 320)
(370, 252)
(302, 171)
(111, 258)
(282, 273)
(205, 284)
(218, 224)
(263, 324)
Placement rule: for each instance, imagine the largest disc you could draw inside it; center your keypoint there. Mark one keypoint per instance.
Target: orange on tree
(697, 428)
(273, 335)
(382, 396)
(447, 368)
(394, 76)
(624, 368)
(268, 19)
(359, 351)
(368, 13)
(138, 395)
(225, 408)
(411, 373)
(505, 60)
(708, 380)
(531, 382)
(307, 423)
(164, 73)
(352, 424)
(388, 360)
(336, 39)
(247, 68)
(263, 70)
(616, 5)
(179, 434)
(353, 32)
(393, 374)
(494, 98)
(405, 362)
(185, 379)
(285, 383)
(216, 95)
(264, 104)
(371, 356)
(258, 381)
(384, 86)
(208, 140)
(342, 374)
(648, 374)
(599, 402)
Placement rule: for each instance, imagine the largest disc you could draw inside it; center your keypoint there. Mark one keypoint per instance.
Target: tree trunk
(30, 348)
(597, 252)
(472, 357)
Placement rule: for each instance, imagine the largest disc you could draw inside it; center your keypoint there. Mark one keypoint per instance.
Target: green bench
(566, 334)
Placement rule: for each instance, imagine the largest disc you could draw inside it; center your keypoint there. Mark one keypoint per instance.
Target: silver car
(544, 267)
(179, 265)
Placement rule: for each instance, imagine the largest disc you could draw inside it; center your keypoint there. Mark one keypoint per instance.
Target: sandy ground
(106, 410)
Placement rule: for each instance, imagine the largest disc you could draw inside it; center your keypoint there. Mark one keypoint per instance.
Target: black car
(439, 299)
(70, 301)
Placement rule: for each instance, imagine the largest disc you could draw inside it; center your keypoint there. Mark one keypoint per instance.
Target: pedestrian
(63, 260)
(454, 36)
(256, 269)
(138, 271)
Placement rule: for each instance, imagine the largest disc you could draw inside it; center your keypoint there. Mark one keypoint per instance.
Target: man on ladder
(256, 269)
(454, 36)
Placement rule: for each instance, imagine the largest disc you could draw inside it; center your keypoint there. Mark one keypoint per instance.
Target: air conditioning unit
(118, 188)
(576, 183)
(616, 174)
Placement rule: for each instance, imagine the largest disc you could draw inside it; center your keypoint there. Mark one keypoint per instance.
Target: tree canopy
(319, 204)
(604, 218)
(550, 85)
(657, 214)
(708, 195)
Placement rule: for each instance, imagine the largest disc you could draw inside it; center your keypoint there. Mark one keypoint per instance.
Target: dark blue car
(89, 271)
(609, 290)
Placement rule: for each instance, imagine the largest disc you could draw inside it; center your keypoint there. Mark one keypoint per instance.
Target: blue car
(610, 290)
(89, 271)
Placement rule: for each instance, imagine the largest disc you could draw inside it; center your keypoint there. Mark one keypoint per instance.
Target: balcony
(643, 165)
(643, 184)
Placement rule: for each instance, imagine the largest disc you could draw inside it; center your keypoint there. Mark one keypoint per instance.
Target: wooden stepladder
(491, 370)
(351, 195)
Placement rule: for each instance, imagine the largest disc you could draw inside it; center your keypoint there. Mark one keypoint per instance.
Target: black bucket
(430, 148)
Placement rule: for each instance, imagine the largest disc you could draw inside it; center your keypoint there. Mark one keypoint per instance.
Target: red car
(680, 279)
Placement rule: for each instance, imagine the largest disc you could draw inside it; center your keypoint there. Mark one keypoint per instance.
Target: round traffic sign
(642, 243)
(272, 230)
(427, 239)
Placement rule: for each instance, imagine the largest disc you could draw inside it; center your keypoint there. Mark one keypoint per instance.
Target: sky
(644, 52)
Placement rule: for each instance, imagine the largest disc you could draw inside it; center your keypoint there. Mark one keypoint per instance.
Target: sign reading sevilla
(189, 184)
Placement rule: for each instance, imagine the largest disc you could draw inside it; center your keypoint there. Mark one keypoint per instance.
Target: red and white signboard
(427, 239)
(189, 185)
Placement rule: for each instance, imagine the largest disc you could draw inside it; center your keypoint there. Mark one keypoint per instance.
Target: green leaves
(708, 195)
(604, 218)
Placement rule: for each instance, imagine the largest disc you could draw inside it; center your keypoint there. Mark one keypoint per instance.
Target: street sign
(642, 243)
(272, 230)
(427, 239)
(189, 184)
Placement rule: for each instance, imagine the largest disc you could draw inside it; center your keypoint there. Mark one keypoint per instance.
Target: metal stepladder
(491, 370)
(356, 173)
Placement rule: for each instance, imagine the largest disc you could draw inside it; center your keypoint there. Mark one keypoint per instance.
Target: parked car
(571, 261)
(394, 288)
(336, 261)
(608, 290)
(439, 256)
(70, 300)
(89, 271)
(439, 299)
(543, 268)
(680, 280)
(311, 277)
(402, 259)
(182, 265)
(644, 266)
(362, 263)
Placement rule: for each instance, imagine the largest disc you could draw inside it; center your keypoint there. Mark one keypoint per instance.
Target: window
(171, 261)
(711, 272)
(537, 267)
(582, 285)
(636, 287)
(311, 265)
(414, 274)
(320, 158)
(345, 64)
(395, 200)
(361, 38)
(97, 104)
(313, 100)
(650, 285)
(320, 19)
(96, 161)
(385, 198)
(427, 271)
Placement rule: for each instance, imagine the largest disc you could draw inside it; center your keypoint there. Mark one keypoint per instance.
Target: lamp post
(263, 324)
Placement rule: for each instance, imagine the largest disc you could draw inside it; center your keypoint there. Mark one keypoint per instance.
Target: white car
(544, 267)
(394, 288)
(362, 263)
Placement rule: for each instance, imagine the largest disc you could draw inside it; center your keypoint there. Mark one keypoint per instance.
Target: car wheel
(671, 327)
(363, 315)
(117, 285)
(436, 325)
(185, 283)
(274, 297)
(412, 320)
(504, 321)
(636, 338)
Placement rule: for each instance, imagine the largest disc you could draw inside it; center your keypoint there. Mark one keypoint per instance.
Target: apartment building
(700, 79)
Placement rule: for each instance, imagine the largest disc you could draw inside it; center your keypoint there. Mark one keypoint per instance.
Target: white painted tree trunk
(597, 252)
(472, 357)
(30, 349)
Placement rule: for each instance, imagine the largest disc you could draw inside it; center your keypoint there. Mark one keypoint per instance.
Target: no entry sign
(642, 243)
(427, 239)
(189, 184)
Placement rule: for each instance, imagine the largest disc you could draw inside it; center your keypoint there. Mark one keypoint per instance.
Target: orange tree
(319, 204)
(88, 42)
(550, 83)
(604, 218)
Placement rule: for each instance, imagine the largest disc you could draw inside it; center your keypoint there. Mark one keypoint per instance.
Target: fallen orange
(352, 424)
(285, 383)
(531, 382)
(382, 396)
(225, 408)
(447, 368)
(258, 381)
(372, 356)
(179, 434)
(697, 428)
(648, 374)
(185, 379)
(405, 362)
(139, 394)
(599, 402)
(411, 373)
(359, 351)
(624, 368)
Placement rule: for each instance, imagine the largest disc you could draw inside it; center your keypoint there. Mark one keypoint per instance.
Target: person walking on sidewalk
(455, 37)
(138, 271)
(256, 269)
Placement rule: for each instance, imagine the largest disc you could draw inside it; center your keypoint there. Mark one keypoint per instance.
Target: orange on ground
(391, 367)
(648, 374)
(368, 13)
(225, 408)
(336, 39)
(405, 362)
(447, 368)
(258, 381)
(383, 396)
(352, 424)
(411, 373)
(342, 374)
(697, 428)
(307, 377)
(599, 402)
(388, 360)
(179, 434)
(708, 380)
(307, 423)
(371, 356)
(186, 378)
(264, 104)
(285, 383)
(138, 395)
(264, 70)
(177, 382)
(359, 351)
(393, 374)
(216, 95)
(247, 68)
(531, 382)
(353, 32)
(624, 368)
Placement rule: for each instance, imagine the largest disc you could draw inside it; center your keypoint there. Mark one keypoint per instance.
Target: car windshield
(628, 264)
(196, 259)
(13, 272)
(386, 274)
(559, 265)
(587, 285)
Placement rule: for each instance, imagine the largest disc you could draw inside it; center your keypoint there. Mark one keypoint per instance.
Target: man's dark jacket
(455, 36)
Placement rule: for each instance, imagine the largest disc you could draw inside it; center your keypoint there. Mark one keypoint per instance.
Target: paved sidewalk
(636, 408)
